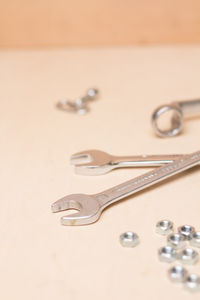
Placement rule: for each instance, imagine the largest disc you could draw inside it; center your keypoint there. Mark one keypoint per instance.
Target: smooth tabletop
(39, 258)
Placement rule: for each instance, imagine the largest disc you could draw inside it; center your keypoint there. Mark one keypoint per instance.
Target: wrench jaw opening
(92, 162)
(88, 209)
(81, 158)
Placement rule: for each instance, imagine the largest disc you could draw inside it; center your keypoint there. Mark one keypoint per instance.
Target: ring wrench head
(176, 120)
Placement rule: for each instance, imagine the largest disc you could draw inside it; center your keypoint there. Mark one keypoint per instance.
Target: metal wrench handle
(191, 107)
(144, 160)
(90, 207)
(148, 179)
(97, 162)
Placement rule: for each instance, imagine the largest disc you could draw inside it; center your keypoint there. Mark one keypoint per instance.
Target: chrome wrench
(90, 207)
(180, 110)
(96, 162)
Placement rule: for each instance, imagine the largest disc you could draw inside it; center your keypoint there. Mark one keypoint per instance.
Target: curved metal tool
(96, 162)
(180, 110)
(90, 207)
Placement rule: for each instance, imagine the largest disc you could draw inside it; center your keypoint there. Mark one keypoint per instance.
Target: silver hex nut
(129, 239)
(192, 283)
(177, 273)
(195, 239)
(167, 254)
(176, 240)
(188, 256)
(164, 227)
(187, 231)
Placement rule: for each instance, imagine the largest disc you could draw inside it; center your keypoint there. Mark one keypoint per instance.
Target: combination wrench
(90, 207)
(96, 162)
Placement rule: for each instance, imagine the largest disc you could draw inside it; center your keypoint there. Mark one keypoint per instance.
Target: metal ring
(176, 120)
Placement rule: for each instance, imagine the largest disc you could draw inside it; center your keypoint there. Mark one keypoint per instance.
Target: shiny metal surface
(179, 110)
(167, 254)
(129, 239)
(176, 240)
(188, 256)
(177, 273)
(96, 162)
(164, 227)
(186, 231)
(195, 239)
(79, 105)
(192, 283)
(90, 207)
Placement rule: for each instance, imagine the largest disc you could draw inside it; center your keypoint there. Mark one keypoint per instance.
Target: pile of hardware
(80, 104)
(177, 249)
(96, 162)
(178, 109)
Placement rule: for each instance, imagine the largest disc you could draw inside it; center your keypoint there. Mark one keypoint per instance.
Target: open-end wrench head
(88, 209)
(92, 162)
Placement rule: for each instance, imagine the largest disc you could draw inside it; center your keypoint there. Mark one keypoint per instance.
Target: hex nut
(167, 254)
(186, 231)
(195, 240)
(129, 239)
(192, 283)
(188, 256)
(164, 227)
(176, 240)
(177, 273)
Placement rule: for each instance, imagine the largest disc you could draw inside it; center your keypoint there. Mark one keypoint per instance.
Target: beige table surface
(39, 258)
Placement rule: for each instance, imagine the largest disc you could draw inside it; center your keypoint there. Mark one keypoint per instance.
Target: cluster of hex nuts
(177, 249)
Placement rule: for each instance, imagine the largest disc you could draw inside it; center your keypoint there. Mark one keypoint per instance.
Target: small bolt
(129, 239)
